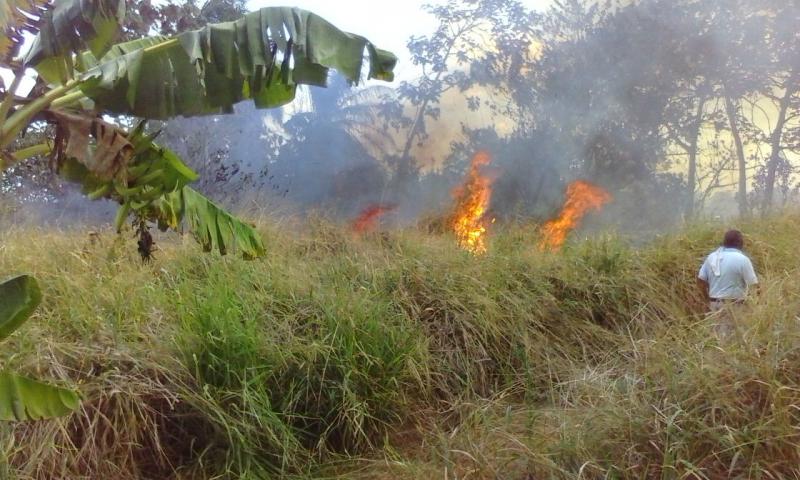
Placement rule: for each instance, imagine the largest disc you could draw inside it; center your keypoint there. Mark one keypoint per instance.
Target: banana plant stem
(19, 119)
(7, 161)
(9, 100)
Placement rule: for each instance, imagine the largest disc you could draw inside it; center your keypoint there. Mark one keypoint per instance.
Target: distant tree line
(662, 101)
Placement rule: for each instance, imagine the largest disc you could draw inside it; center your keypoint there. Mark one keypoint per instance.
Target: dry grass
(399, 356)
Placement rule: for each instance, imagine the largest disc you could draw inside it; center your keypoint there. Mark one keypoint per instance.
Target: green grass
(399, 356)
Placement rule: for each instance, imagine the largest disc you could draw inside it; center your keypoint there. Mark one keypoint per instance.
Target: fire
(367, 220)
(581, 197)
(472, 201)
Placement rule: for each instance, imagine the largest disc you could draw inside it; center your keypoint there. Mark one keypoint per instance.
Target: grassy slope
(399, 356)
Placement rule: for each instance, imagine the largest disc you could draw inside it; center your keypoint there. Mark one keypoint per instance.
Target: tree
(603, 89)
(175, 17)
(626, 87)
(781, 69)
(463, 52)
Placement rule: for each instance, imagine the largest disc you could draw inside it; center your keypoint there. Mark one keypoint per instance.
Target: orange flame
(472, 201)
(367, 220)
(581, 197)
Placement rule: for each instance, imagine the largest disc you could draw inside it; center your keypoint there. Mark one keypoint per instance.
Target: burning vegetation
(472, 199)
(582, 196)
(368, 219)
(472, 202)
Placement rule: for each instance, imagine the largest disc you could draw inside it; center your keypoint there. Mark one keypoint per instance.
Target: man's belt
(727, 300)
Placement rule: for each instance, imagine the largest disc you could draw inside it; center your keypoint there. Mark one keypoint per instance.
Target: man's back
(728, 272)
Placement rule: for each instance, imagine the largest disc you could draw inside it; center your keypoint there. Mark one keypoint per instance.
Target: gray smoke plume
(625, 94)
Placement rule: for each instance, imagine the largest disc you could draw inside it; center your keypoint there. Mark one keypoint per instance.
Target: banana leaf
(262, 57)
(16, 17)
(153, 183)
(23, 398)
(212, 226)
(68, 26)
(19, 297)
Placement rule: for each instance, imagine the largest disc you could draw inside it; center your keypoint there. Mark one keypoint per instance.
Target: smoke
(69, 209)
(609, 93)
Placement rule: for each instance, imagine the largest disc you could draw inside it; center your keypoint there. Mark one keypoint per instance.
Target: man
(726, 276)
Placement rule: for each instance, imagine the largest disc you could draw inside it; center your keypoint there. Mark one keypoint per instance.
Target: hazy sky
(387, 23)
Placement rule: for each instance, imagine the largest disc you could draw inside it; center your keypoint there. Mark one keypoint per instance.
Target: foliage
(170, 18)
(21, 296)
(459, 55)
(22, 398)
(208, 70)
(71, 25)
(15, 19)
(660, 80)
(685, 98)
(213, 227)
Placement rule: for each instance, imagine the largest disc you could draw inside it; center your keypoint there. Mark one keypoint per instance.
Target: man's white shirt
(728, 272)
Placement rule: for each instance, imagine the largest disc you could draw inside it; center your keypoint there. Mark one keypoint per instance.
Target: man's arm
(750, 278)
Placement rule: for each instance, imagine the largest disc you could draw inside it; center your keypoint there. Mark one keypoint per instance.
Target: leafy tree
(603, 92)
(624, 87)
(173, 17)
(463, 52)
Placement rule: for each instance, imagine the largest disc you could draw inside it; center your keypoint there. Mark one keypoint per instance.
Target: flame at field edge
(472, 200)
(581, 197)
(368, 219)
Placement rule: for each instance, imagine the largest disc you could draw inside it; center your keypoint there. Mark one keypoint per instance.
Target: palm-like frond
(212, 226)
(72, 25)
(23, 398)
(151, 181)
(16, 17)
(262, 57)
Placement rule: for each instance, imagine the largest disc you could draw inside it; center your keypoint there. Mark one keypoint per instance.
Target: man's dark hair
(733, 239)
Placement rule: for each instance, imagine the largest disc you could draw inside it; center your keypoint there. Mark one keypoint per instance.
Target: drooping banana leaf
(262, 57)
(212, 226)
(16, 17)
(101, 146)
(19, 297)
(72, 25)
(22, 398)
(153, 184)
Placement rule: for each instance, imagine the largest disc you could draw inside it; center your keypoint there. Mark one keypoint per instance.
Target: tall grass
(397, 355)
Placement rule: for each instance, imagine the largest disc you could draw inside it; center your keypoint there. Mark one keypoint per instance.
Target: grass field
(398, 356)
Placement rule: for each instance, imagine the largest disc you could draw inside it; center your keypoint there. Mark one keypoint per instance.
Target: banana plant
(82, 75)
(23, 398)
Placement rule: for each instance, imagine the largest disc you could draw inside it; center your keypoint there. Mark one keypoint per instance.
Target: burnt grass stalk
(397, 355)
